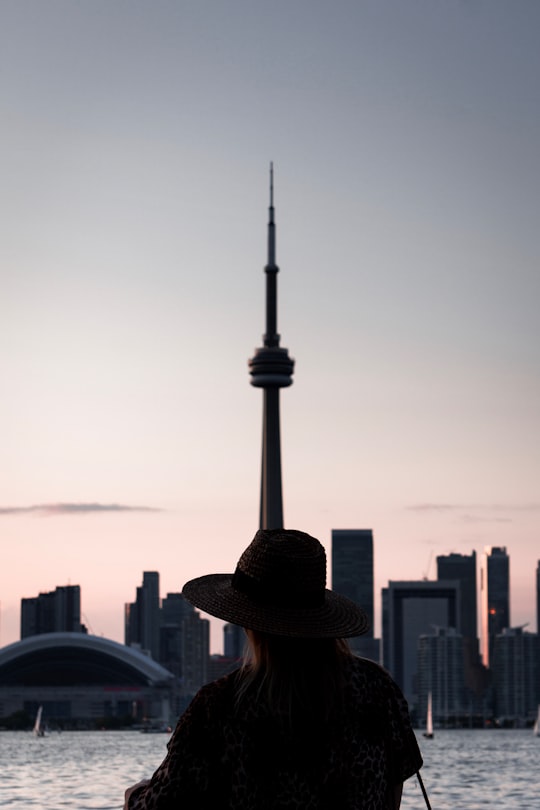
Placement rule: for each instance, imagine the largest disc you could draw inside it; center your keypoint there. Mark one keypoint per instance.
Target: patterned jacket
(229, 754)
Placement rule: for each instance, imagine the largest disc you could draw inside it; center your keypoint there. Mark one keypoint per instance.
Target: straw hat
(279, 587)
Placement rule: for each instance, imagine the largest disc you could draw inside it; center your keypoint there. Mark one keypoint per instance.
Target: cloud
(47, 509)
(477, 513)
(458, 507)
(487, 519)
(433, 507)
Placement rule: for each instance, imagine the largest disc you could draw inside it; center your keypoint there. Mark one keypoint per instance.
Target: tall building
(410, 610)
(174, 608)
(516, 675)
(195, 653)
(463, 568)
(441, 674)
(352, 568)
(495, 598)
(53, 612)
(151, 619)
(234, 641)
(172, 631)
(538, 598)
(132, 620)
(184, 643)
(271, 368)
(142, 617)
(352, 576)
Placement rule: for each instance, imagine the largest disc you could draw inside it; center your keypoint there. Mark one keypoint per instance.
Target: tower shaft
(271, 509)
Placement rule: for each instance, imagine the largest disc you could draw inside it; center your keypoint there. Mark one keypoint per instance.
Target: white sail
(536, 727)
(38, 730)
(429, 718)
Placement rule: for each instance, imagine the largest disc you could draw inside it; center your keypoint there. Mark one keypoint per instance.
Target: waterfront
(464, 770)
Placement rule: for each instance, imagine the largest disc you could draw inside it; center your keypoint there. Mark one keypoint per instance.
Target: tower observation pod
(271, 368)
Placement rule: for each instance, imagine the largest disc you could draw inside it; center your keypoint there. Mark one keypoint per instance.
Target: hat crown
(285, 563)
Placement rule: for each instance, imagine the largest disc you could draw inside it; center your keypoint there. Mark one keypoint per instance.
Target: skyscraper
(142, 617)
(150, 613)
(352, 568)
(441, 674)
(53, 612)
(463, 568)
(184, 643)
(495, 598)
(132, 620)
(515, 666)
(172, 631)
(271, 368)
(538, 598)
(234, 641)
(352, 576)
(410, 610)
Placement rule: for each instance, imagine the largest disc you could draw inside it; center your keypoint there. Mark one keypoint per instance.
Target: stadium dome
(77, 659)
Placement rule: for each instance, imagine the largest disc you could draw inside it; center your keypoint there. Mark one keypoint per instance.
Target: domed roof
(77, 659)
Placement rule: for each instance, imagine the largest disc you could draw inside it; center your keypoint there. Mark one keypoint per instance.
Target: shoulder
(206, 713)
(364, 671)
(369, 682)
(222, 688)
(213, 695)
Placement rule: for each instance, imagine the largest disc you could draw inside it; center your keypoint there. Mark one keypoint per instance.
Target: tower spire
(271, 368)
(271, 337)
(271, 223)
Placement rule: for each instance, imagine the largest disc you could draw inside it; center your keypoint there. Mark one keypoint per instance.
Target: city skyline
(335, 562)
(133, 239)
(430, 641)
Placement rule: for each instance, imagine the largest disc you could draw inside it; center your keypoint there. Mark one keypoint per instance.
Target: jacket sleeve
(406, 759)
(186, 778)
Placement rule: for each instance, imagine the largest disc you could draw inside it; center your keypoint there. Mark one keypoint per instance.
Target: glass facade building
(412, 609)
(57, 611)
(441, 674)
(352, 568)
(495, 598)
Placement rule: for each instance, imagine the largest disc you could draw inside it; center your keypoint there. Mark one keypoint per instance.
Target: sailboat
(536, 727)
(38, 729)
(428, 733)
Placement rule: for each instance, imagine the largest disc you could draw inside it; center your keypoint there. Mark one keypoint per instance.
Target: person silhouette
(303, 723)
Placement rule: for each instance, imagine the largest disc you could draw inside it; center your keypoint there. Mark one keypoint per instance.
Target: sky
(136, 141)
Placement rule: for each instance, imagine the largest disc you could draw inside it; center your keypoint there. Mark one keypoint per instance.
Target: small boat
(428, 733)
(38, 729)
(536, 727)
(163, 729)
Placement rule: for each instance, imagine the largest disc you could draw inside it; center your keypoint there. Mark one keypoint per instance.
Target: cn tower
(271, 368)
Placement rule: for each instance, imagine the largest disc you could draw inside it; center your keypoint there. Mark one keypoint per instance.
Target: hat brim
(337, 617)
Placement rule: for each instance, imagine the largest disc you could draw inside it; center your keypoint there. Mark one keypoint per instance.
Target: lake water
(463, 770)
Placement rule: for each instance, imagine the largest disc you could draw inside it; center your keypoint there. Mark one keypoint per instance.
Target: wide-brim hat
(279, 587)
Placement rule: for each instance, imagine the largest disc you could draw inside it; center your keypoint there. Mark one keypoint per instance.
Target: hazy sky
(136, 138)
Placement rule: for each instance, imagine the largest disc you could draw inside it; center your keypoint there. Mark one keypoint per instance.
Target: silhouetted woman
(303, 724)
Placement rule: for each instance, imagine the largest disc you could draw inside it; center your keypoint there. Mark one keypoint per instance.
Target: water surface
(89, 770)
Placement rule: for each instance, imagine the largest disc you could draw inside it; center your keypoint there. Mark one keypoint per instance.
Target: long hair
(299, 679)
